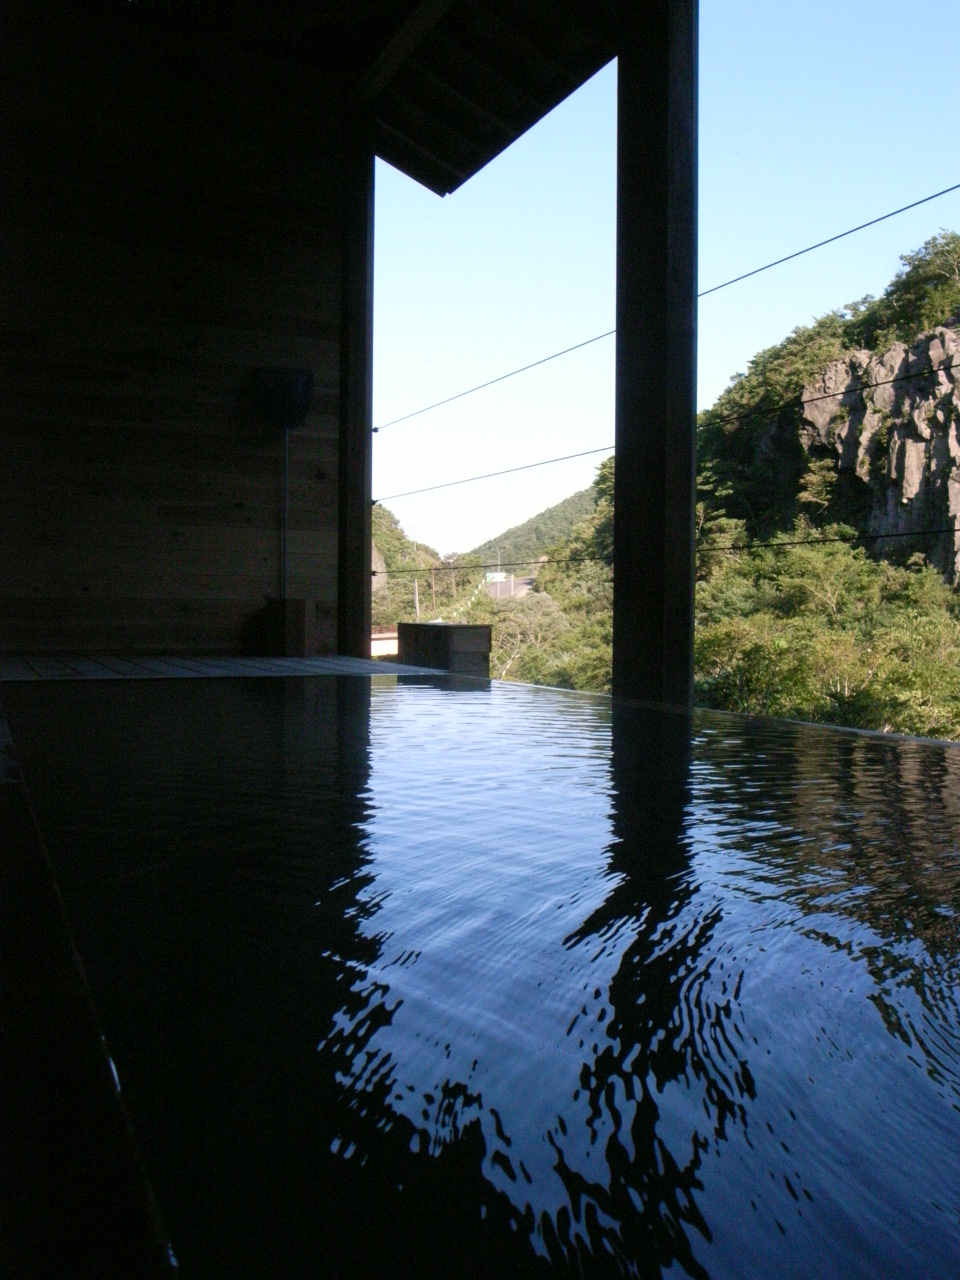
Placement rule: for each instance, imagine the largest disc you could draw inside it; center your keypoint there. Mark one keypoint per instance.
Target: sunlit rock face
(893, 420)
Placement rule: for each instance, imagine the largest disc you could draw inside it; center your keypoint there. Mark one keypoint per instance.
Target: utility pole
(433, 589)
(416, 599)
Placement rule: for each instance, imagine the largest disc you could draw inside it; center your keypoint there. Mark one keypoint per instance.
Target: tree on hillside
(823, 632)
(924, 294)
(523, 630)
(393, 599)
(527, 542)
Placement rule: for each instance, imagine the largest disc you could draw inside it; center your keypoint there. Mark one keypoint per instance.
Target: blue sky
(814, 117)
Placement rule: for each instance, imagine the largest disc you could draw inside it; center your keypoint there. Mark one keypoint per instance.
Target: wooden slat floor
(113, 668)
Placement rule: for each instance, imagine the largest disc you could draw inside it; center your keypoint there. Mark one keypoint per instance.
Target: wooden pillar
(355, 476)
(655, 484)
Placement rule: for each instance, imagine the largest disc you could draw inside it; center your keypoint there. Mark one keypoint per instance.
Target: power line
(830, 240)
(813, 542)
(502, 378)
(489, 475)
(774, 543)
(831, 395)
(503, 564)
(733, 417)
(713, 289)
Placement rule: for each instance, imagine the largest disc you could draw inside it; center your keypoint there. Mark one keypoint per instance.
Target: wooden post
(355, 480)
(655, 478)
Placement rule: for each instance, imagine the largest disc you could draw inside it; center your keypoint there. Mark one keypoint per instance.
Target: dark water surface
(409, 979)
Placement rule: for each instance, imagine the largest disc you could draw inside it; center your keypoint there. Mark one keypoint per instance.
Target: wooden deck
(113, 668)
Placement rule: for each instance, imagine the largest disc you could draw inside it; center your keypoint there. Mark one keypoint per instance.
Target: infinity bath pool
(412, 978)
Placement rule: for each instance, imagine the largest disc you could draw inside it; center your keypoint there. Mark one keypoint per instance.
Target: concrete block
(459, 648)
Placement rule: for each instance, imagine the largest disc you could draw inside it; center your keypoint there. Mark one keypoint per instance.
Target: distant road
(383, 642)
(501, 590)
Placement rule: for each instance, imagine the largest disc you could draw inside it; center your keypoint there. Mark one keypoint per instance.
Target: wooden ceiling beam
(446, 177)
(445, 87)
(432, 128)
(522, 52)
(422, 19)
(494, 78)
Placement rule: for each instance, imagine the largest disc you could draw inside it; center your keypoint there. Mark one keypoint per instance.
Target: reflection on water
(484, 981)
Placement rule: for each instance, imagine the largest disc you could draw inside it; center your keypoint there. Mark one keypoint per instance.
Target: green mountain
(525, 543)
(397, 562)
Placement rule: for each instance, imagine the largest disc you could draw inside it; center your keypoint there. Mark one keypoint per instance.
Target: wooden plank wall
(169, 221)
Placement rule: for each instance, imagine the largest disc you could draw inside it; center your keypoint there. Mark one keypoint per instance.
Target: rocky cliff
(893, 421)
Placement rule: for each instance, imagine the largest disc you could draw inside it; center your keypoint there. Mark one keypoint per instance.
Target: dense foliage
(823, 632)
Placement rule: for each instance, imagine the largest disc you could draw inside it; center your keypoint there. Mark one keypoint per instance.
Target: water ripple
(516, 981)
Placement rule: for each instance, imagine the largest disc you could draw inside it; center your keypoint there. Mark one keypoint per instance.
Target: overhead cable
(733, 417)
(831, 395)
(504, 564)
(713, 289)
(502, 378)
(489, 475)
(774, 543)
(830, 240)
